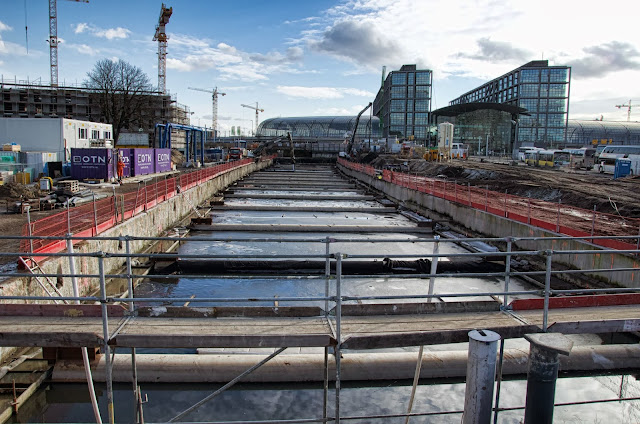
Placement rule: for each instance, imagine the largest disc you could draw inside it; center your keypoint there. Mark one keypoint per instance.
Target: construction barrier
(555, 217)
(93, 218)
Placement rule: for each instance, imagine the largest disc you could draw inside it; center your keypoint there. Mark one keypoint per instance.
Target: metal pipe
(95, 215)
(337, 351)
(416, 378)
(68, 218)
(499, 381)
(593, 223)
(29, 229)
(507, 272)
(542, 375)
(547, 290)
(105, 330)
(137, 396)
(85, 353)
(434, 266)
(481, 373)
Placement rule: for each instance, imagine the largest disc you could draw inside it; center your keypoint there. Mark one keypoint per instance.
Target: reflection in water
(70, 403)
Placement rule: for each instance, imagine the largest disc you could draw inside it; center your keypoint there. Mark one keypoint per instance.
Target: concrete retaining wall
(496, 226)
(151, 223)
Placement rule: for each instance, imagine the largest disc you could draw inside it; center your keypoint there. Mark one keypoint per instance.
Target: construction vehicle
(268, 146)
(355, 130)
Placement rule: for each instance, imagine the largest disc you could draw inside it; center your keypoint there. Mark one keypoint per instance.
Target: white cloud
(340, 111)
(190, 54)
(322, 92)
(5, 27)
(109, 33)
(84, 49)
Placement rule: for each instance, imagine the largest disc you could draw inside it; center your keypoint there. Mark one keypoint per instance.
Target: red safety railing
(94, 217)
(556, 217)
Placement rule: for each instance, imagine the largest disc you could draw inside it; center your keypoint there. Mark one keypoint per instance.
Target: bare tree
(120, 90)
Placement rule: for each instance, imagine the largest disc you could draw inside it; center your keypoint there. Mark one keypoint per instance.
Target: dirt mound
(177, 158)
(17, 191)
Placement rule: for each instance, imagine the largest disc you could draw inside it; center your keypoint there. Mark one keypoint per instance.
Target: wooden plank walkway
(272, 327)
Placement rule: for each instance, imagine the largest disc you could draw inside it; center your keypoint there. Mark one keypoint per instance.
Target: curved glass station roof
(319, 127)
(616, 132)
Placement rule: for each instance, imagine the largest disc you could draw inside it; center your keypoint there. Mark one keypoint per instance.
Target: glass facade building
(585, 133)
(320, 127)
(403, 103)
(542, 90)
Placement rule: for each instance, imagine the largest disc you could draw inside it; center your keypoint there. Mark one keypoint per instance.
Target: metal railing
(552, 216)
(331, 297)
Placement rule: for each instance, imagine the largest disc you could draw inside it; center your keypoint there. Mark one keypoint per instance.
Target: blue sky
(300, 58)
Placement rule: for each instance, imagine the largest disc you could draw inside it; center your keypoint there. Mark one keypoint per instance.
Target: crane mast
(628, 106)
(257, 109)
(214, 105)
(53, 39)
(161, 37)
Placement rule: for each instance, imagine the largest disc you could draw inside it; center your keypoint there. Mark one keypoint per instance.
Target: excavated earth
(580, 188)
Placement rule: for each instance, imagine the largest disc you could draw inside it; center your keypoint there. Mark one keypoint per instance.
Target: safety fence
(552, 216)
(93, 218)
(342, 298)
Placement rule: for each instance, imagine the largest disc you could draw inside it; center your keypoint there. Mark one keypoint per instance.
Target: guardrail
(93, 218)
(555, 217)
(330, 297)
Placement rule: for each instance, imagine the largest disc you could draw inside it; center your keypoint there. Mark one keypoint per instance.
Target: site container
(37, 160)
(142, 162)
(92, 164)
(163, 160)
(139, 140)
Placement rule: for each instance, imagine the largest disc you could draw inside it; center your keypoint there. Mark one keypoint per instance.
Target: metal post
(29, 229)
(145, 195)
(455, 190)
(95, 215)
(469, 192)
(337, 351)
(481, 374)
(416, 378)
(542, 375)
(327, 275)
(325, 397)
(507, 272)
(122, 208)
(434, 267)
(547, 289)
(558, 217)
(105, 330)
(499, 381)
(486, 199)
(505, 204)
(68, 218)
(134, 367)
(85, 353)
(529, 210)
(115, 207)
(593, 223)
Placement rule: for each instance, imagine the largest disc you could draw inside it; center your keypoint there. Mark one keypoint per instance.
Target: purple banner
(163, 160)
(91, 163)
(143, 161)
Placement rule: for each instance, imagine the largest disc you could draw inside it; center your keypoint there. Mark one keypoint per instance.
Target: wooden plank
(598, 326)
(305, 228)
(380, 341)
(49, 339)
(229, 311)
(418, 308)
(40, 310)
(199, 340)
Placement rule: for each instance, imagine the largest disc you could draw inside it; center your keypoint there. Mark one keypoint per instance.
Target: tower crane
(161, 37)
(53, 39)
(628, 106)
(257, 109)
(214, 105)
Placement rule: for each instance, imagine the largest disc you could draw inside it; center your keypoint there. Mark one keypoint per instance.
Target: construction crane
(53, 39)
(214, 105)
(628, 106)
(161, 37)
(352, 139)
(257, 109)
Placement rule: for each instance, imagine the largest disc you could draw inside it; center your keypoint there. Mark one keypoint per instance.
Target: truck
(236, 153)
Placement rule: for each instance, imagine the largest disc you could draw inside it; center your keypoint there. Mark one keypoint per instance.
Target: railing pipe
(547, 289)
(337, 348)
(106, 337)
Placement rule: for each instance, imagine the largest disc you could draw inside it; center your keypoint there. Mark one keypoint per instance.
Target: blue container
(622, 169)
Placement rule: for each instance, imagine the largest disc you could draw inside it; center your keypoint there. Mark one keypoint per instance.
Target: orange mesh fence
(552, 216)
(92, 218)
